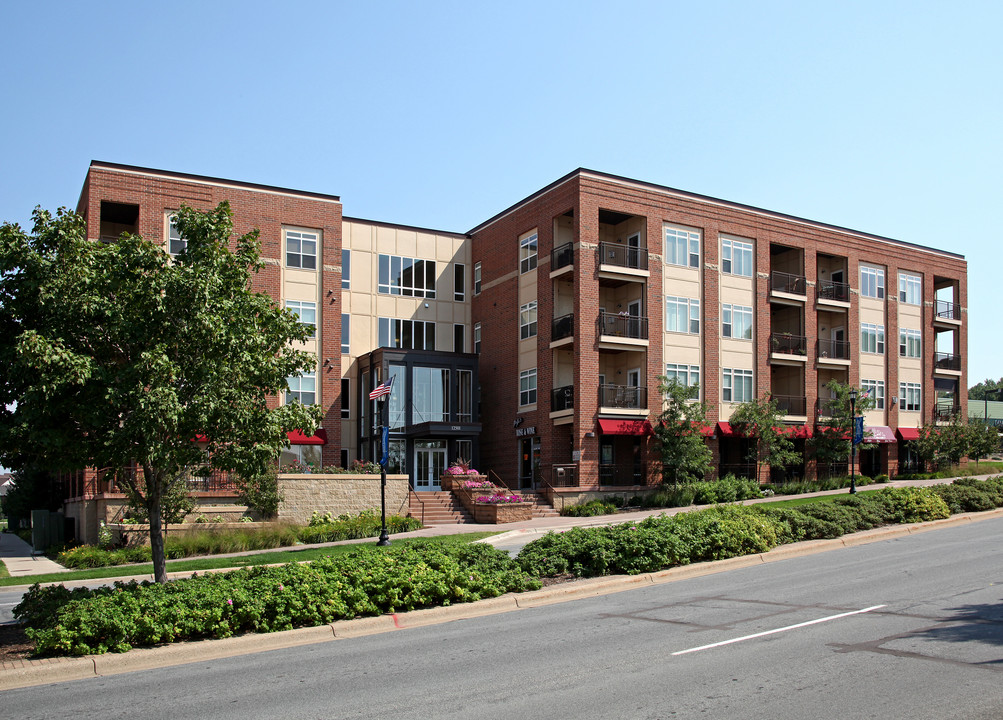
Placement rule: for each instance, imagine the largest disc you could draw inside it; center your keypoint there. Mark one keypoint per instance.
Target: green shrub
(589, 509)
(912, 504)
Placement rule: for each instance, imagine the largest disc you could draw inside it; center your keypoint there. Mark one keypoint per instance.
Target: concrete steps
(438, 508)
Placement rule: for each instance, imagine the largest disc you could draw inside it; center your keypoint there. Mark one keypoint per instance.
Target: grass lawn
(214, 563)
(3, 570)
(805, 500)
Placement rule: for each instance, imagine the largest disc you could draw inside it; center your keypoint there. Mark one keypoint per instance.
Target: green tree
(762, 421)
(124, 355)
(953, 440)
(983, 440)
(831, 440)
(685, 455)
(928, 445)
(979, 390)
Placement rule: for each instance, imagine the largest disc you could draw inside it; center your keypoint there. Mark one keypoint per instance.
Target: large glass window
(306, 312)
(407, 334)
(875, 389)
(346, 269)
(910, 394)
(736, 321)
(346, 333)
(430, 394)
(398, 393)
(736, 257)
(872, 338)
(527, 387)
(910, 289)
(465, 397)
(872, 281)
(736, 385)
(459, 282)
(302, 389)
(301, 249)
(527, 320)
(682, 247)
(909, 343)
(682, 315)
(686, 375)
(527, 253)
(406, 276)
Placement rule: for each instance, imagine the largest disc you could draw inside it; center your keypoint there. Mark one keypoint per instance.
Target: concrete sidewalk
(20, 560)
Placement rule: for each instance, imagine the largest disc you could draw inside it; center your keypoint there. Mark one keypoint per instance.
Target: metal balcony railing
(626, 397)
(788, 283)
(945, 411)
(792, 404)
(635, 258)
(947, 310)
(564, 326)
(828, 290)
(834, 349)
(562, 398)
(788, 344)
(562, 256)
(946, 361)
(623, 325)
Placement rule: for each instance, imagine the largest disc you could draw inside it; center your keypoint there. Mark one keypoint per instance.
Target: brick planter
(492, 513)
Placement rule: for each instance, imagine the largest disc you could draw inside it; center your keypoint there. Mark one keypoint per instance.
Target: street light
(853, 441)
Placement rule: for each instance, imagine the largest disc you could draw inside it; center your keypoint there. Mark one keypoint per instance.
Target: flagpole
(384, 442)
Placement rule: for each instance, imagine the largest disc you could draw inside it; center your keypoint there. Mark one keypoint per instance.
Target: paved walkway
(20, 560)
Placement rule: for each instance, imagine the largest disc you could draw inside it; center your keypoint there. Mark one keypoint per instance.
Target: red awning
(296, 437)
(879, 434)
(906, 433)
(726, 430)
(624, 427)
(798, 432)
(707, 430)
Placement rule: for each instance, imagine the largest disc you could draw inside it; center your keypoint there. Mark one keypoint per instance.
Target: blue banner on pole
(386, 446)
(858, 430)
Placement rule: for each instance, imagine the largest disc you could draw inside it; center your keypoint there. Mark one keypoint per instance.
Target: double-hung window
(477, 278)
(682, 315)
(736, 385)
(477, 337)
(682, 247)
(406, 276)
(736, 321)
(872, 281)
(459, 282)
(346, 269)
(302, 388)
(872, 338)
(527, 387)
(686, 375)
(736, 257)
(527, 253)
(527, 320)
(909, 394)
(175, 243)
(306, 312)
(909, 343)
(910, 289)
(301, 249)
(876, 390)
(346, 333)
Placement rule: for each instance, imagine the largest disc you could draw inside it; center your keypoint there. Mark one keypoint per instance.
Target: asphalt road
(905, 628)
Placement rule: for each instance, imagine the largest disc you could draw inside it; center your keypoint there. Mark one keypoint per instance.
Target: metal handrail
(834, 349)
(788, 283)
(828, 290)
(623, 325)
(788, 343)
(562, 327)
(562, 255)
(621, 255)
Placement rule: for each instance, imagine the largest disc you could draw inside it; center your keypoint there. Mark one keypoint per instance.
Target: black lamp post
(853, 440)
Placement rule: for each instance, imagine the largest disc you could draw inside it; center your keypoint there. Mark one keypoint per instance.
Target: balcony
(836, 294)
(947, 363)
(562, 256)
(827, 407)
(623, 256)
(623, 397)
(788, 284)
(788, 349)
(835, 351)
(946, 313)
(946, 410)
(792, 405)
(623, 328)
(621, 475)
(562, 398)
(563, 327)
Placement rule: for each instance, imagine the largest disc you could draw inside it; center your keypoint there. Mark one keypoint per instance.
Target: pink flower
(229, 602)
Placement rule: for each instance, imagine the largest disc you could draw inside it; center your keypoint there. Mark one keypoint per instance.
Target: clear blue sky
(878, 116)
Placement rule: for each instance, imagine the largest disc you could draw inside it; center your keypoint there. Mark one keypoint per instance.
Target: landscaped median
(426, 574)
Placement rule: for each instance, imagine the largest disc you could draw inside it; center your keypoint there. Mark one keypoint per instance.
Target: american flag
(383, 388)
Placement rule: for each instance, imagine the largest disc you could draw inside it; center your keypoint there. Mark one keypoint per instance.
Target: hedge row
(265, 599)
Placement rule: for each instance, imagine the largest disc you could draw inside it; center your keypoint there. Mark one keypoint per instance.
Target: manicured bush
(912, 504)
(589, 509)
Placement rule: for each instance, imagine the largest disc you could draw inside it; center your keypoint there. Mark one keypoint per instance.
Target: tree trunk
(154, 488)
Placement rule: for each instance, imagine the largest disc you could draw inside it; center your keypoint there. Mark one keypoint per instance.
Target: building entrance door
(429, 463)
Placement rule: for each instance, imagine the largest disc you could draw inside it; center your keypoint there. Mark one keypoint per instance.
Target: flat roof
(666, 190)
(398, 226)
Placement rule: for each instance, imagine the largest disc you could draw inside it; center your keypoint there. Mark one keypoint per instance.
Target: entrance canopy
(624, 427)
(907, 433)
(879, 434)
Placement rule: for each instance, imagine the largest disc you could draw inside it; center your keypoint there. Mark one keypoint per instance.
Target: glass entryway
(429, 463)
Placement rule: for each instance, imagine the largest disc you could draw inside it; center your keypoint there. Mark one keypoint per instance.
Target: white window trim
(692, 315)
(691, 245)
(528, 375)
(302, 235)
(528, 328)
(529, 248)
(910, 284)
(878, 273)
(730, 247)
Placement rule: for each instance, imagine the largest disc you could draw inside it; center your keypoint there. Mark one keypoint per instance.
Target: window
(910, 289)
(527, 253)
(682, 247)
(736, 386)
(736, 321)
(876, 390)
(346, 398)
(175, 243)
(872, 338)
(406, 276)
(872, 281)
(527, 320)
(736, 257)
(306, 312)
(459, 282)
(477, 278)
(407, 334)
(346, 269)
(682, 315)
(302, 389)
(527, 387)
(909, 343)
(301, 249)
(464, 397)
(686, 375)
(346, 333)
(477, 337)
(458, 337)
(909, 396)
(429, 394)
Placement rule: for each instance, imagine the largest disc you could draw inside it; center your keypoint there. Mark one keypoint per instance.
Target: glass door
(429, 463)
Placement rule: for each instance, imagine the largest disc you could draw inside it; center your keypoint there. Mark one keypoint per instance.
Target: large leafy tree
(983, 440)
(117, 355)
(831, 440)
(762, 421)
(685, 455)
(990, 386)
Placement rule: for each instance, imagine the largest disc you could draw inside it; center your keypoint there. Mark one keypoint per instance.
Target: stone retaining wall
(338, 494)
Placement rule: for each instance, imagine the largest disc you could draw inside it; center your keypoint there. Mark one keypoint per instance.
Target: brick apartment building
(532, 344)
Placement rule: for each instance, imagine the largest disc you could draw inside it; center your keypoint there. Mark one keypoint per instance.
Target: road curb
(30, 673)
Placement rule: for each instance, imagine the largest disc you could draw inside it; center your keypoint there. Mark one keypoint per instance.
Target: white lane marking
(779, 630)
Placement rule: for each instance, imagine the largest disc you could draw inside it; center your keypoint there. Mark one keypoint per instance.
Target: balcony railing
(563, 327)
(792, 404)
(826, 407)
(562, 256)
(788, 283)
(945, 411)
(620, 475)
(626, 397)
(635, 258)
(788, 344)
(562, 398)
(947, 310)
(834, 349)
(946, 361)
(828, 290)
(623, 325)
